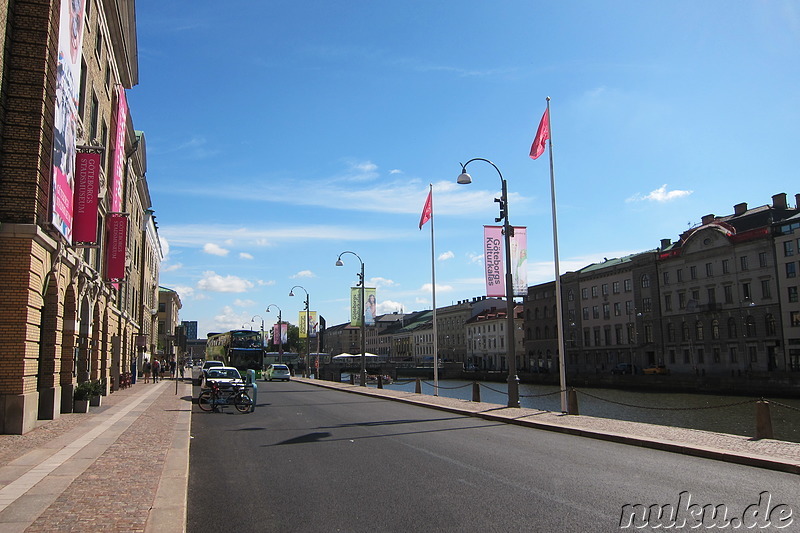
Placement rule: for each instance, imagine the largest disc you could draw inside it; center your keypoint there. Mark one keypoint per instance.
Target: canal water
(722, 414)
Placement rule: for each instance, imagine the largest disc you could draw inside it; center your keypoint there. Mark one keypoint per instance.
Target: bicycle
(214, 398)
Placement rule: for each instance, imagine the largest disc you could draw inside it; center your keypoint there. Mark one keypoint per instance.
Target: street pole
(363, 322)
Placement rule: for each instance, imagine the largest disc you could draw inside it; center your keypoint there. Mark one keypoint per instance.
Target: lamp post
(513, 379)
(262, 337)
(280, 332)
(308, 332)
(361, 282)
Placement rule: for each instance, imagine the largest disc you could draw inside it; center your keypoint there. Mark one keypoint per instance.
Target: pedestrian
(172, 368)
(156, 370)
(147, 368)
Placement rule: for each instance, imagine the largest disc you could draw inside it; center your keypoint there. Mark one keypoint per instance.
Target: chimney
(666, 243)
(797, 201)
(779, 201)
(739, 209)
(708, 219)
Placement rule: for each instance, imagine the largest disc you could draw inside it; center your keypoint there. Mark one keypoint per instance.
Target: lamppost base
(513, 391)
(364, 378)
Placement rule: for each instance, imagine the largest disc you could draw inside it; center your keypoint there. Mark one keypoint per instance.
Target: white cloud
(215, 283)
(388, 306)
(183, 291)
(214, 249)
(243, 303)
(245, 255)
(164, 246)
(660, 195)
(439, 288)
(172, 268)
(262, 283)
(446, 255)
(475, 259)
(395, 171)
(380, 282)
(229, 319)
(303, 274)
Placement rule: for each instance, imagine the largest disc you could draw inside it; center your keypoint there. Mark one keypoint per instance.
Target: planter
(80, 406)
(95, 401)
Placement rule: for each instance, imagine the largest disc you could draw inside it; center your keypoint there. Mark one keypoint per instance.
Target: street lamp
(308, 332)
(280, 332)
(262, 335)
(513, 379)
(361, 282)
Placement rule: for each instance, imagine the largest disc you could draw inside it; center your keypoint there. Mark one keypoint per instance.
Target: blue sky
(283, 133)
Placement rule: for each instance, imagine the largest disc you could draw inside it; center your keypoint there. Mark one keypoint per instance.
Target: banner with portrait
(370, 306)
(312, 327)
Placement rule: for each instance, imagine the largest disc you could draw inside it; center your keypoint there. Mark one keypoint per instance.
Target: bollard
(476, 391)
(352, 379)
(418, 388)
(380, 381)
(763, 420)
(572, 402)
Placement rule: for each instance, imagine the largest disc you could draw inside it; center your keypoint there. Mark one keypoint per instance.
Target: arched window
(750, 326)
(731, 328)
(769, 323)
(698, 330)
(685, 331)
(645, 281)
(715, 329)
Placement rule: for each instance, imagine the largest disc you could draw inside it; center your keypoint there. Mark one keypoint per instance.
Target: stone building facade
(73, 311)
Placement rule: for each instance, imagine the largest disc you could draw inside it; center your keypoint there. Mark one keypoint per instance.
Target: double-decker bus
(240, 348)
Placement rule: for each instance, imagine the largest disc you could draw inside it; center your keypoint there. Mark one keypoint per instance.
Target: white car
(225, 376)
(278, 371)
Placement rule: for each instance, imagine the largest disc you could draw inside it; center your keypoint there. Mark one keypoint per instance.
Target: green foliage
(82, 391)
(97, 388)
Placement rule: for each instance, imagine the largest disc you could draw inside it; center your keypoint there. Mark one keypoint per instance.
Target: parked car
(657, 369)
(623, 368)
(278, 371)
(225, 376)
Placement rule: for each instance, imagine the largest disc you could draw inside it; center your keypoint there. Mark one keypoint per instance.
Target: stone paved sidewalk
(122, 467)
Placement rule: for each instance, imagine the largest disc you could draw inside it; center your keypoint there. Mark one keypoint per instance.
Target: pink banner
(87, 185)
(118, 171)
(116, 240)
(493, 260)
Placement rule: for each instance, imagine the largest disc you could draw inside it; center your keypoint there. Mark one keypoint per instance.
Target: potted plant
(81, 397)
(96, 392)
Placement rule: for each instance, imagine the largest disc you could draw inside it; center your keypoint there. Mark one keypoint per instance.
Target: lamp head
(339, 262)
(464, 178)
(291, 293)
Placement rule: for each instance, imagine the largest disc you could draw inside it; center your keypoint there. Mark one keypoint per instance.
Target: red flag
(542, 134)
(427, 211)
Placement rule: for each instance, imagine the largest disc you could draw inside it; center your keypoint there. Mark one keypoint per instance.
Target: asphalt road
(312, 459)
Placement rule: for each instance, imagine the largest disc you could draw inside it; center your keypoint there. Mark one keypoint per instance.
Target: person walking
(156, 370)
(147, 368)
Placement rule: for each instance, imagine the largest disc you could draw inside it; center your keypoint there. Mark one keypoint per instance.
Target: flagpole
(559, 313)
(433, 292)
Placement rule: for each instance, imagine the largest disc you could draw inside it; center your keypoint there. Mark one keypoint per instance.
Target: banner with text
(116, 244)
(118, 171)
(519, 260)
(68, 73)
(280, 333)
(493, 261)
(370, 303)
(87, 185)
(312, 324)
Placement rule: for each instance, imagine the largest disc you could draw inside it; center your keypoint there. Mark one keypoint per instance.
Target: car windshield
(229, 373)
(278, 367)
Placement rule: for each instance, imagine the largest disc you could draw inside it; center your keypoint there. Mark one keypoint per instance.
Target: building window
(686, 357)
(685, 331)
(648, 333)
(595, 311)
(766, 292)
(725, 266)
(607, 335)
(679, 275)
(732, 354)
(746, 291)
(693, 272)
(585, 293)
(626, 284)
(594, 291)
(586, 313)
(717, 355)
(645, 281)
(791, 270)
(731, 328)
(711, 293)
(671, 332)
(615, 287)
(701, 356)
(794, 319)
(666, 278)
(617, 309)
(681, 300)
(709, 270)
(743, 262)
(606, 311)
(668, 302)
(605, 289)
(728, 291)
(696, 295)
(597, 336)
(769, 324)
(618, 333)
(715, 329)
(570, 296)
(762, 259)
(672, 357)
(647, 305)
(698, 330)
(788, 248)
(750, 327)
(793, 294)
